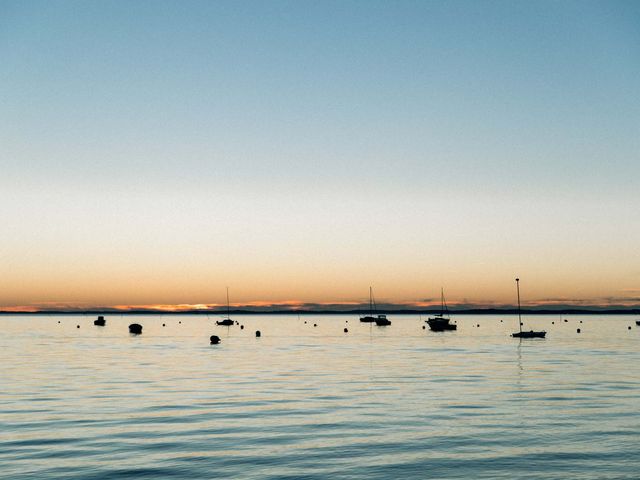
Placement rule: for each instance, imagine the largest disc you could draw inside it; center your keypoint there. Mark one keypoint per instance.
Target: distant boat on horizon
(441, 321)
(530, 333)
(373, 317)
(227, 322)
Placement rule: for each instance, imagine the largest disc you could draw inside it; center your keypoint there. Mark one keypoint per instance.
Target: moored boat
(441, 322)
(369, 318)
(530, 333)
(227, 322)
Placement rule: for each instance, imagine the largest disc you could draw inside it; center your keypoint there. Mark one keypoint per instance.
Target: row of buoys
(136, 328)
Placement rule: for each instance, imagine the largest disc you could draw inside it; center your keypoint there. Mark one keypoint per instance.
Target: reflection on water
(314, 402)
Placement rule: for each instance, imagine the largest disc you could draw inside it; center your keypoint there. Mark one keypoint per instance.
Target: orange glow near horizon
(127, 251)
(295, 305)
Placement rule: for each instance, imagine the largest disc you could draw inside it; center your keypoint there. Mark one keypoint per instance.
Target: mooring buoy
(135, 328)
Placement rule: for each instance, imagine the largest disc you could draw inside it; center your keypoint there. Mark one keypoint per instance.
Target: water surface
(314, 402)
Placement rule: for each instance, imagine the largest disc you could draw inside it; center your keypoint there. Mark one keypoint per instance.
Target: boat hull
(441, 325)
(226, 323)
(530, 334)
(368, 319)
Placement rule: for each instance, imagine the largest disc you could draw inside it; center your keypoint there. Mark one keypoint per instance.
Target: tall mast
(228, 302)
(370, 301)
(441, 301)
(519, 316)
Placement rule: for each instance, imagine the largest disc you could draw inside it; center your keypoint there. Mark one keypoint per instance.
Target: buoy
(315, 324)
(163, 325)
(58, 321)
(305, 321)
(578, 330)
(241, 327)
(214, 339)
(521, 323)
(423, 327)
(135, 328)
(78, 326)
(179, 321)
(565, 320)
(500, 321)
(346, 330)
(258, 334)
(478, 325)
(580, 321)
(553, 323)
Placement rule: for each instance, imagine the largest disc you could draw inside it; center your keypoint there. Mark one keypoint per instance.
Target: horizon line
(291, 307)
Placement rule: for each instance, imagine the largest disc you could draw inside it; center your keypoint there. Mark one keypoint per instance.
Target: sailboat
(227, 321)
(441, 321)
(530, 333)
(380, 320)
(369, 318)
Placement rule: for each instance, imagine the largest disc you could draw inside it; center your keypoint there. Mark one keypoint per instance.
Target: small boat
(530, 333)
(441, 321)
(227, 322)
(100, 321)
(369, 318)
(373, 317)
(638, 322)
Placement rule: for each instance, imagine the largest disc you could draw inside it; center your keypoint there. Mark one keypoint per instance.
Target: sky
(154, 153)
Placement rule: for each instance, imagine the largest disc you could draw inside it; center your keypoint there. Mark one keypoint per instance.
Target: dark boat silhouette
(227, 322)
(100, 321)
(637, 322)
(441, 322)
(373, 317)
(369, 318)
(530, 333)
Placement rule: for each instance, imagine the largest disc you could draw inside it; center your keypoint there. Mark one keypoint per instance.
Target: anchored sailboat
(380, 320)
(441, 321)
(227, 321)
(530, 333)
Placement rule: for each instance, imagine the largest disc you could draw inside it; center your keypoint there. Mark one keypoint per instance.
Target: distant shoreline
(478, 311)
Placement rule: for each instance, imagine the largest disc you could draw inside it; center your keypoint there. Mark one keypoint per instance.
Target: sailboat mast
(441, 301)
(370, 301)
(228, 316)
(519, 315)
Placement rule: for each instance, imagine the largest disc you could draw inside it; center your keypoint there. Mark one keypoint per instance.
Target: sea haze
(307, 401)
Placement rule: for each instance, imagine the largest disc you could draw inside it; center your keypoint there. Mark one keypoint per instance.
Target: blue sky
(297, 125)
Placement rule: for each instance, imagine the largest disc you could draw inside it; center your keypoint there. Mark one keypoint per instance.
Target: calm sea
(311, 402)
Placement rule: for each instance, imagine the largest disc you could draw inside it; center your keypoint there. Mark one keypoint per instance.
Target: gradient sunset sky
(156, 152)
